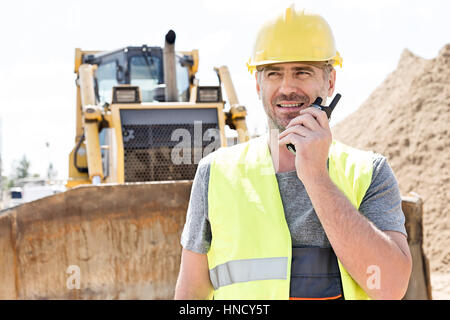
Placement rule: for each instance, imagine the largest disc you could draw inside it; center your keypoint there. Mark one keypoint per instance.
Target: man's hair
(327, 68)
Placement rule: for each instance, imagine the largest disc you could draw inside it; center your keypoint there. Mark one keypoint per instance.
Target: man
(325, 223)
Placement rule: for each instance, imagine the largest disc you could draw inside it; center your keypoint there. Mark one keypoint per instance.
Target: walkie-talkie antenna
(333, 104)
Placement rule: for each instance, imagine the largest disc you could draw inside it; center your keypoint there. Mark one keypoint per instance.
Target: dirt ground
(407, 119)
(440, 282)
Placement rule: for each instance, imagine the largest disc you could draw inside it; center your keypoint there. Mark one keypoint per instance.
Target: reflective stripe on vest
(248, 270)
(251, 250)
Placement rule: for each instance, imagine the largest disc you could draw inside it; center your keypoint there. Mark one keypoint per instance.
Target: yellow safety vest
(251, 249)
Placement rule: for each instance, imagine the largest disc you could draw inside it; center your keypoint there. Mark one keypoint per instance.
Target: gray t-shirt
(381, 205)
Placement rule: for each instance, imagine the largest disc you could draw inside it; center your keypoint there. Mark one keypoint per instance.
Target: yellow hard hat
(294, 36)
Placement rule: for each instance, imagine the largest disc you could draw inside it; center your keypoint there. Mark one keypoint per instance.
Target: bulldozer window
(182, 81)
(106, 79)
(145, 73)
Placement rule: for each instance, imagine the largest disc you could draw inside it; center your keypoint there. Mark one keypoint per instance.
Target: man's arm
(366, 251)
(360, 246)
(193, 280)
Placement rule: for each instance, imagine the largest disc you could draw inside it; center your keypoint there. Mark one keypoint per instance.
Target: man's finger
(298, 129)
(292, 138)
(306, 120)
(320, 116)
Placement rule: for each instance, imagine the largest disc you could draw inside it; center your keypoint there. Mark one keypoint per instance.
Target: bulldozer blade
(121, 241)
(419, 287)
(116, 241)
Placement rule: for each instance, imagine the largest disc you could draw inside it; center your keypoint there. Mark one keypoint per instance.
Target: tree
(22, 169)
(51, 172)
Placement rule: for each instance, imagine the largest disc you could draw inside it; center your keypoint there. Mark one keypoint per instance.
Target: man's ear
(258, 88)
(331, 82)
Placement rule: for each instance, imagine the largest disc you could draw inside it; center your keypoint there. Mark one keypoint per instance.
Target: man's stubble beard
(274, 125)
(273, 122)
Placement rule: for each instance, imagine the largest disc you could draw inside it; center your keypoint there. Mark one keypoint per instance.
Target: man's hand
(311, 135)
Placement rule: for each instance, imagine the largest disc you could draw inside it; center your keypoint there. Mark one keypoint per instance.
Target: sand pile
(407, 118)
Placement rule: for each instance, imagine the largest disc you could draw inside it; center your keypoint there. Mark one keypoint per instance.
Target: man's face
(287, 88)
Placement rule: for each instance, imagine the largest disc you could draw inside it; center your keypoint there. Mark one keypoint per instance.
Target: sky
(38, 41)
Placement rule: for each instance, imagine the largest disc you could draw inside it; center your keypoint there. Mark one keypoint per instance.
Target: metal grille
(148, 151)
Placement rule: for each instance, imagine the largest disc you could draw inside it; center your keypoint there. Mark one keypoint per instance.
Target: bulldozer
(143, 122)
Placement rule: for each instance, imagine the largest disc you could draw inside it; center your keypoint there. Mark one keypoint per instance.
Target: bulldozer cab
(138, 66)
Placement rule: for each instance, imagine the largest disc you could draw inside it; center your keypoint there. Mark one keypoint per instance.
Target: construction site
(142, 120)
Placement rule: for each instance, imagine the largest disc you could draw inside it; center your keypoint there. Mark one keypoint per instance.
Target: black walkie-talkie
(328, 110)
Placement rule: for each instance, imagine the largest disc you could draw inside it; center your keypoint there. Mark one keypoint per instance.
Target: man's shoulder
(205, 163)
(224, 154)
(228, 152)
(339, 146)
(378, 159)
(382, 169)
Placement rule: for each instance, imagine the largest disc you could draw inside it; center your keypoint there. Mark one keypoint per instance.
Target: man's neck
(283, 160)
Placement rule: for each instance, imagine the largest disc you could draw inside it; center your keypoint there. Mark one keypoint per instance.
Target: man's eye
(273, 74)
(303, 73)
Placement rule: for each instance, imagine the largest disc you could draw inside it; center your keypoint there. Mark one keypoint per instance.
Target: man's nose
(287, 86)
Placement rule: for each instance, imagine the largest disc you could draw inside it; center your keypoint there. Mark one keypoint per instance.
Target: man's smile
(290, 106)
